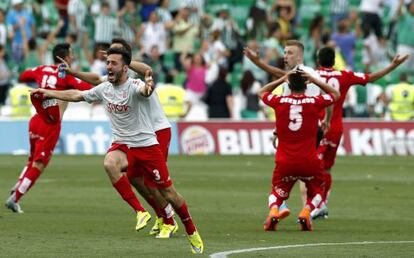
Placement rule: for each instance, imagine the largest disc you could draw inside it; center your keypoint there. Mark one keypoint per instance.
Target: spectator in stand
(147, 7)
(229, 34)
(315, 31)
(98, 63)
(129, 20)
(18, 19)
(77, 11)
(273, 41)
(285, 11)
(250, 87)
(371, 11)
(375, 53)
(405, 39)
(339, 10)
(105, 25)
(184, 35)
(160, 71)
(164, 14)
(62, 8)
(256, 24)
(153, 33)
(5, 77)
(3, 29)
(46, 16)
(346, 41)
(196, 69)
(196, 9)
(219, 97)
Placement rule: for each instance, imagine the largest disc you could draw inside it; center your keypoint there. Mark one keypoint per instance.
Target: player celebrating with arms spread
(296, 157)
(45, 125)
(128, 107)
(342, 81)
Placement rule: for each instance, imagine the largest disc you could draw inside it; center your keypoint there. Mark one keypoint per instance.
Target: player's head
(297, 82)
(117, 64)
(64, 51)
(121, 43)
(326, 57)
(293, 53)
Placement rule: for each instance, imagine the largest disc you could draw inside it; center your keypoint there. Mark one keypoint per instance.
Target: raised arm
(139, 67)
(254, 57)
(394, 64)
(148, 88)
(323, 85)
(66, 95)
(91, 78)
(270, 87)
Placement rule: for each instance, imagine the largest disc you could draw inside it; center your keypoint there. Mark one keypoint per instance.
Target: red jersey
(341, 81)
(46, 77)
(297, 125)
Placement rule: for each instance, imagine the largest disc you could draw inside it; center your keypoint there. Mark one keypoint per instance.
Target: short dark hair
(296, 43)
(61, 50)
(326, 57)
(124, 44)
(297, 82)
(126, 57)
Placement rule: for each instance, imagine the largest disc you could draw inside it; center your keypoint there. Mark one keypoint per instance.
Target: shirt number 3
(295, 117)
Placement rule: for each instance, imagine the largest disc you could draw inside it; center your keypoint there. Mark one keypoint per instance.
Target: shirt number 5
(295, 117)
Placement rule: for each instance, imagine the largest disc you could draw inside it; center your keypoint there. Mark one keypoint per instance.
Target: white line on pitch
(224, 254)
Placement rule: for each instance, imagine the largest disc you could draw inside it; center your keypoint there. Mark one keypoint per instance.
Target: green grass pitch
(73, 211)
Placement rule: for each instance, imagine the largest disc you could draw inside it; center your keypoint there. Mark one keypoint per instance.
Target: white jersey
(128, 111)
(158, 117)
(311, 89)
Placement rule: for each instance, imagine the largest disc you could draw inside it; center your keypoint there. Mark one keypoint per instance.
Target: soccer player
(342, 81)
(293, 58)
(296, 157)
(45, 125)
(164, 226)
(128, 107)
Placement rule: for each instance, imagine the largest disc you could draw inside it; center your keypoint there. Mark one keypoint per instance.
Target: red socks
(151, 201)
(328, 184)
(185, 217)
(28, 180)
(124, 189)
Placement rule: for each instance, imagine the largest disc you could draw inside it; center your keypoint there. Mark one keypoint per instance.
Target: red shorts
(47, 108)
(43, 139)
(328, 148)
(151, 162)
(286, 175)
(164, 138)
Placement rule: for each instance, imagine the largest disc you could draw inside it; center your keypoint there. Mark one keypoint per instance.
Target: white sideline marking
(224, 254)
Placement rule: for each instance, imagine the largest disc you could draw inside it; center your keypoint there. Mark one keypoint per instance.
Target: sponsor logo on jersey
(117, 108)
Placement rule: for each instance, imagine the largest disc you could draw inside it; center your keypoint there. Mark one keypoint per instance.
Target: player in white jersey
(164, 226)
(128, 107)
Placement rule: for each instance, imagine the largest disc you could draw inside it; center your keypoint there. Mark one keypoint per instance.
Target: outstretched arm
(66, 95)
(394, 64)
(254, 57)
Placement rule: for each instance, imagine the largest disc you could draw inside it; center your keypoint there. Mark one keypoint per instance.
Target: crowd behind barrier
(192, 44)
